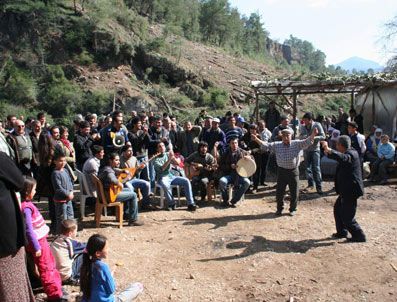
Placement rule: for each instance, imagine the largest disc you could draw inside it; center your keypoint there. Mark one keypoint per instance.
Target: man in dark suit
(349, 186)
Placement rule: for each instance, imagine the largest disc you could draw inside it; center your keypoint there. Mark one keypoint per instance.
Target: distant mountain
(359, 64)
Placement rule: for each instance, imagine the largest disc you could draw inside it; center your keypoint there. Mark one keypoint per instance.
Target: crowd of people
(156, 151)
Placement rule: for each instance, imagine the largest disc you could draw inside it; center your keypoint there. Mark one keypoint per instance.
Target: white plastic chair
(162, 194)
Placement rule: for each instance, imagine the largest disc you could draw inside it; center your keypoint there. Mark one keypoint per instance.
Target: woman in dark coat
(14, 281)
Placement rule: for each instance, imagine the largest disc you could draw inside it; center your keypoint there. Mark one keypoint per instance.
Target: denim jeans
(152, 176)
(170, 180)
(63, 211)
(143, 186)
(130, 293)
(76, 266)
(241, 184)
(313, 171)
(130, 200)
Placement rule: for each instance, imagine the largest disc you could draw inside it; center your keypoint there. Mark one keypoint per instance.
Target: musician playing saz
(162, 165)
(203, 164)
(228, 165)
(108, 177)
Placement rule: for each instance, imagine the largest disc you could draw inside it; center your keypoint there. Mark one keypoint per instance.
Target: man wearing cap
(312, 153)
(287, 156)
(213, 135)
(349, 186)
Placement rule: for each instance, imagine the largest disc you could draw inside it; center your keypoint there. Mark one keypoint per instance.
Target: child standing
(36, 232)
(68, 252)
(96, 280)
(63, 191)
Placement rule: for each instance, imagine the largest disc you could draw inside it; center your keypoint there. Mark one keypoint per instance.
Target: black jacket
(12, 227)
(348, 177)
(82, 145)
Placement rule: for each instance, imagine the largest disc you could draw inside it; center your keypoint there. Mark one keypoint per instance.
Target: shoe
(149, 207)
(254, 190)
(292, 213)
(170, 208)
(359, 239)
(320, 192)
(338, 236)
(135, 223)
(278, 213)
(233, 204)
(226, 204)
(192, 207)
(383, 182)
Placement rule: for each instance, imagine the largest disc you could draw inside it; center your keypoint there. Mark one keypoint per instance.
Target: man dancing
(287, 156)
(349, 186)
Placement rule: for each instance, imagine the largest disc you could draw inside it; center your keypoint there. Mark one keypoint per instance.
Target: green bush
(84, 58)
(181, 101)
(99, 101)
(215, 98)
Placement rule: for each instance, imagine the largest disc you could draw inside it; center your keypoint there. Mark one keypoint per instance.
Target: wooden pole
(295, 111)
(257, 106)
(352, 100)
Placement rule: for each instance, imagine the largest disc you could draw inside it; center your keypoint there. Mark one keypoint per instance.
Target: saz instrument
(194, 169)
(126, 175)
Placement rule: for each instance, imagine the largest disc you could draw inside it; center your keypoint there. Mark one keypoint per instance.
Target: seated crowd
(134, 157)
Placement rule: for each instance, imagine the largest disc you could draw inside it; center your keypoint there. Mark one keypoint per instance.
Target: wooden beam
(294, 112)
(365, 101)
(257, 107)
(373, 108)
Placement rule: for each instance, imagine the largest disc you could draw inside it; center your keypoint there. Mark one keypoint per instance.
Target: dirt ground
(247, 254)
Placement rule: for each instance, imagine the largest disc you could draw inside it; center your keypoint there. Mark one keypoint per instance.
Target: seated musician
(255, 148)
(130, 162)
(227, 165)
(162, 166)
(203, 164)
(108, 176)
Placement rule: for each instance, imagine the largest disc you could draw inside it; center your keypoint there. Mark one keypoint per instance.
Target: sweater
(36, 227)
(64, 249)
(102, 283)
(62, 184)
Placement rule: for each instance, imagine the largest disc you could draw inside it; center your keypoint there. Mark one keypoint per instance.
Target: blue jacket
(386, 150)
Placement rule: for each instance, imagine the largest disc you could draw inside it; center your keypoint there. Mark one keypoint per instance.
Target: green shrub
(84, 58)
(18, 86)
(181, 101)
(99, 101)
(215, 98)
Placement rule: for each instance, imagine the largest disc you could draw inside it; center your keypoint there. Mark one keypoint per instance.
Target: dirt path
(246, 254)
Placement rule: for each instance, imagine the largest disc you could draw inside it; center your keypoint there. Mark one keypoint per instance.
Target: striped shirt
(287, 155)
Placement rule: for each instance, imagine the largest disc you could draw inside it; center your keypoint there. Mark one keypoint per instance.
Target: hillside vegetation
(67, 57)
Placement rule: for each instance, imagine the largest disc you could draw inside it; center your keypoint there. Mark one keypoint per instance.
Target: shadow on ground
(260, 244)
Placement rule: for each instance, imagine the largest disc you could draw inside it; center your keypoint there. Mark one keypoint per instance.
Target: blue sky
(340, 28)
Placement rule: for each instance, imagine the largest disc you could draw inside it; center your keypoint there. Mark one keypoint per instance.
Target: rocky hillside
(63, 58)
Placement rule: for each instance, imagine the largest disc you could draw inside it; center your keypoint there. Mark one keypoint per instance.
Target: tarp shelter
(378, 106)
(360, 86)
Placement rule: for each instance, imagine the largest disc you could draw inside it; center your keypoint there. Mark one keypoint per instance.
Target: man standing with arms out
(287, 157)
(312, 153)
(349, 186)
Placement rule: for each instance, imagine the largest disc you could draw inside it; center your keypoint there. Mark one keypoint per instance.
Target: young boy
(68, 252)
(63, 191)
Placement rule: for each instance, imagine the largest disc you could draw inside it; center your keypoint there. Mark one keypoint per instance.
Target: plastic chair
(84, 191)
(162, 194)
(102, 203)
